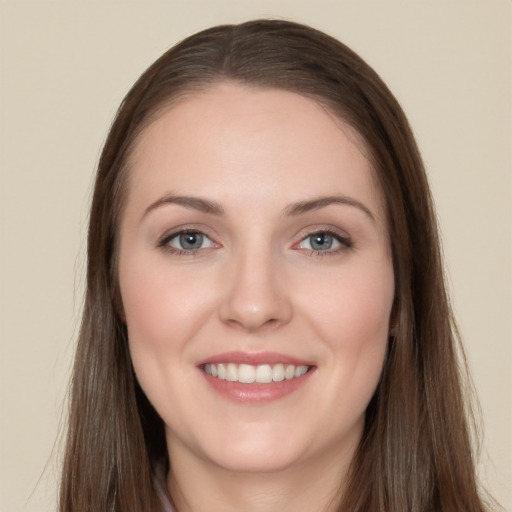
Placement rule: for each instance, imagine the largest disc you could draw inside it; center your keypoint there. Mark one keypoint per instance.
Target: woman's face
(256, 279)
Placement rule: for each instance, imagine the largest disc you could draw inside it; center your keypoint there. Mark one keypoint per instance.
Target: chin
(250, 461)
(252, 451)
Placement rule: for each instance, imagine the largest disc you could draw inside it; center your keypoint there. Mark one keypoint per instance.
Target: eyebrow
(322, 202)
(196, 203)
(213, 208)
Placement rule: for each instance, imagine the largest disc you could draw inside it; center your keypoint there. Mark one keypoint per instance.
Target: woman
(266, 325)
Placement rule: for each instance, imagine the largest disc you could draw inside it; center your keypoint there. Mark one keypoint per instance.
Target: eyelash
(164, 243)
(344, 241)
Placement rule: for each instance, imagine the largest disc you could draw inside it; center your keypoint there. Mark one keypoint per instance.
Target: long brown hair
(415, 453)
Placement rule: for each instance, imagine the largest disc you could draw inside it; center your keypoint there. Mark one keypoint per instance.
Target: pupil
(321, 241)
(191, 240)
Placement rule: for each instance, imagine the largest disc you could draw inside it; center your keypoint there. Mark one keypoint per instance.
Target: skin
(255, 285)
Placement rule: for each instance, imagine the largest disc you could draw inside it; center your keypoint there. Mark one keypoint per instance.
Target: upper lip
(254, 358)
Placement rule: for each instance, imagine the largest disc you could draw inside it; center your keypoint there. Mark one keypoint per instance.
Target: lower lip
(256, 393)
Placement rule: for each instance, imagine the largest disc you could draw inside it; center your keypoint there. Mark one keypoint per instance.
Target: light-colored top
(162, 492)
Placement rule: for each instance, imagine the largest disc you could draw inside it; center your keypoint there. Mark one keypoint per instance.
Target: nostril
(256, 299)
(252, 324)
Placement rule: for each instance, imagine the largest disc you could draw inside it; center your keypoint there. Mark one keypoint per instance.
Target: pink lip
(255, 393)
(254, 358)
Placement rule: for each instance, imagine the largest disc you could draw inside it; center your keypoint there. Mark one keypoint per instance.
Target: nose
(256, 296)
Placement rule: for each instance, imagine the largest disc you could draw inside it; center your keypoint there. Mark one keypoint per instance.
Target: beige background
(64, 68)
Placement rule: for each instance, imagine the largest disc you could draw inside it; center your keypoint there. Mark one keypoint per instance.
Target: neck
(200, 486)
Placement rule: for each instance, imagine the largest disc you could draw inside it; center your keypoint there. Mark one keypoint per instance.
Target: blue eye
(325, 241)
(190, 241)
(321, 241)
(186, 242)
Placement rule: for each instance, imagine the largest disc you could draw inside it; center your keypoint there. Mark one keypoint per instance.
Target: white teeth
(261, 374)
(231, 373)
(300, 371)
(289, 373)
(264, 374)
(246, 373)
(278, 373)
(221, 371)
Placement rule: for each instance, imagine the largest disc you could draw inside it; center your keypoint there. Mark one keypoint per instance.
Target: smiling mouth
(260, 374)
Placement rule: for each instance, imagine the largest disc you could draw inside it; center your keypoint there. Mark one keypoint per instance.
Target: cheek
(352, 319)
(162, 312)
(147, 304)
(161, 307)
(354, 309)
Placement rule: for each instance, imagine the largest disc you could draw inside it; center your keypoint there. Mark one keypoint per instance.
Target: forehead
(228, 133)
(233, 101)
